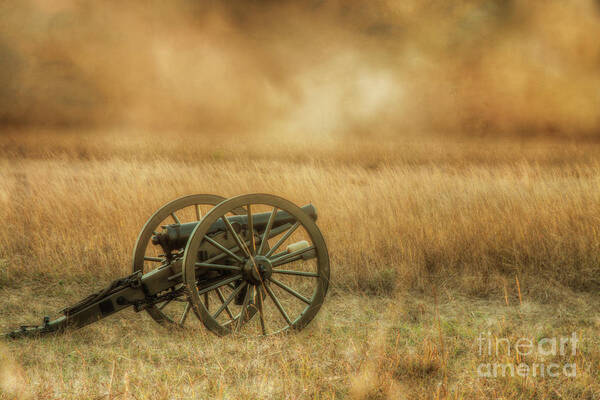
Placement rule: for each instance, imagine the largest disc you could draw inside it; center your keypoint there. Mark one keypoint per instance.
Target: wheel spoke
(219, 284)
(239, 242)
(175, 218)
(185, 313)
(283, 238)
(278, 304)
(220, 256)
(267, 231)
(260, 309)
(223, 249)
(252, 246)
(197, 207)
(279, 255)
(290, 291)
(289, 257)
(299, 273)
(206, 300)
(244, 310)
(219, 266)
(225, 305)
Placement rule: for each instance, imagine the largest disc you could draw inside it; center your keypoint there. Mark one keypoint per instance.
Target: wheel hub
(257, 269)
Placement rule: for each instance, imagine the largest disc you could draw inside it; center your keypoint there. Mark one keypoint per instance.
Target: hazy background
(511, 67)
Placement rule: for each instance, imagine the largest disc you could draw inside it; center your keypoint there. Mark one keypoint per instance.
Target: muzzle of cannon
(252, 265)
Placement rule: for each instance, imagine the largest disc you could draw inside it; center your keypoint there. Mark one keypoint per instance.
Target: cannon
(252, 265)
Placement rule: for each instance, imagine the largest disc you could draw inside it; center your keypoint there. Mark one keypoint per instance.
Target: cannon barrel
(175, 236)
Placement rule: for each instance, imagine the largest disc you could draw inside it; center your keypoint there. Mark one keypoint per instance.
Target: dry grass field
(434, 242)
(451, 148)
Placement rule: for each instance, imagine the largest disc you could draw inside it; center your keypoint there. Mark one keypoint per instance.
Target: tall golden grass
(462, 214)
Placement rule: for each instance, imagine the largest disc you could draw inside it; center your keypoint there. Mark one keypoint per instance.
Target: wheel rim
(176, 311)
(291, 289)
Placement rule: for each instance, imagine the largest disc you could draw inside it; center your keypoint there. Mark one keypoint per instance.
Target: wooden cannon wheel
(146, 256)
(289, 269)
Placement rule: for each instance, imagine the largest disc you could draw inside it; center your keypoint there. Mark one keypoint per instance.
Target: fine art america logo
(515, 352)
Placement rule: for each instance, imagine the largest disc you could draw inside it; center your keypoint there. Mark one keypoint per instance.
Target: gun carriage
(253, 265)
